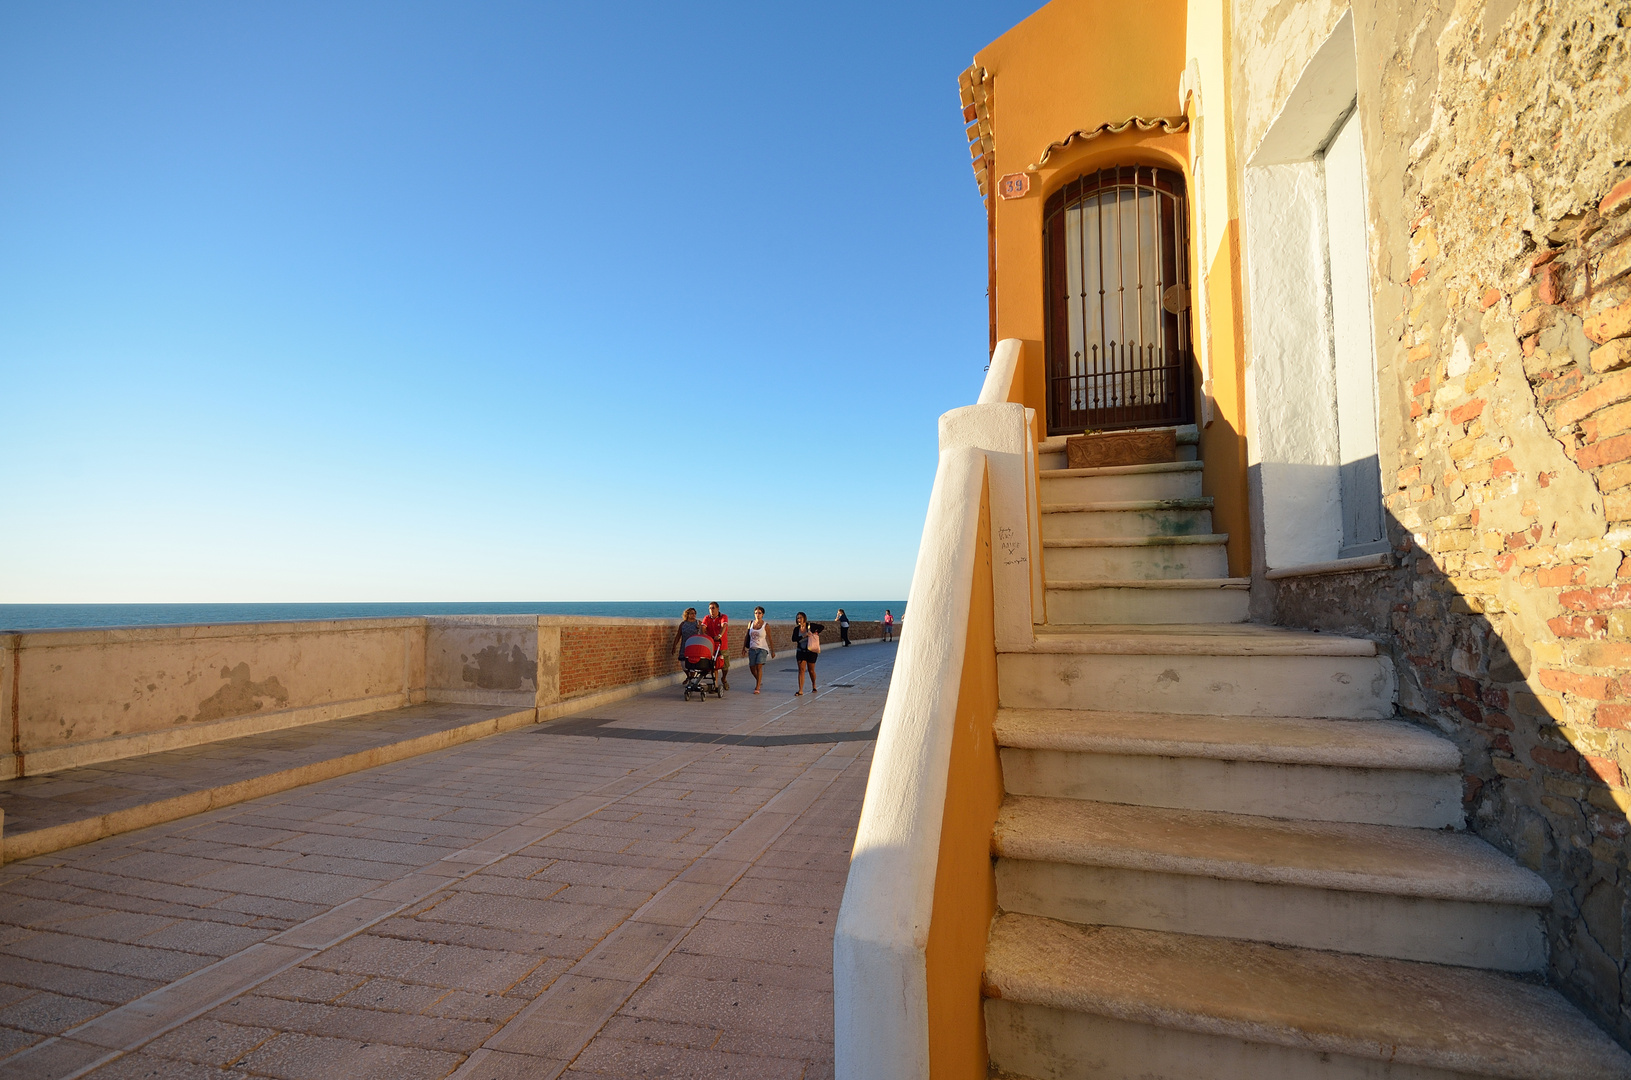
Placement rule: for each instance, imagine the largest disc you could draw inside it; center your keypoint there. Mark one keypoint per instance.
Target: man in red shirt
(718, 627)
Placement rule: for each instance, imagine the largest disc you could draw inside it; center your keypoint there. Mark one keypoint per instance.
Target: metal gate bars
(1117, 279)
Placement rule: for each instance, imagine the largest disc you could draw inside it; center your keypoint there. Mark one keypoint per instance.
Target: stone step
(1411, 894)
(1051, 451)
(1380, 772)
(1177, 480)
(1135, 558)
(1172, 600)
(1139, 517)
(1114, 1003)
(1313, 675)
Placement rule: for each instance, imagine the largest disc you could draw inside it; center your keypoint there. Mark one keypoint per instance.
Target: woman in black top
(843, 627)
(805, 635)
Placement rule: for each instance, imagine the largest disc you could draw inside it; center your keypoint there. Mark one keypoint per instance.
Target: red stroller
(697, 654)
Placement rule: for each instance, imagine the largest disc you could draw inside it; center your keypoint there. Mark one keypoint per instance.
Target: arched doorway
(1117, 277)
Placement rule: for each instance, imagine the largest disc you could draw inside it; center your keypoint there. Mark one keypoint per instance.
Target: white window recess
(1311, 386)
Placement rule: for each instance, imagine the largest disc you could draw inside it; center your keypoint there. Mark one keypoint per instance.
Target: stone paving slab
(553, 901)
(75, 806)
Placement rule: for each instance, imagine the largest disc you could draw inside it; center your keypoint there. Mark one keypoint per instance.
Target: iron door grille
(1117, 279)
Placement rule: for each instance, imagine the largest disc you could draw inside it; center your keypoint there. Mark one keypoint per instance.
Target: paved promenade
(649, 890)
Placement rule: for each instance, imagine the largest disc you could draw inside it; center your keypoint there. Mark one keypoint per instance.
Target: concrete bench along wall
(78, 697)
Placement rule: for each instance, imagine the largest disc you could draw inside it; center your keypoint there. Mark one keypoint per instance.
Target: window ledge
(1336, 566)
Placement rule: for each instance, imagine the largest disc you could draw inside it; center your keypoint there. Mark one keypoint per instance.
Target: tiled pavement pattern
(41, 802)
(576, 898)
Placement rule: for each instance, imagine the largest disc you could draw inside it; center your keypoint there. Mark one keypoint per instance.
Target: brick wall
(1501, 217)
(600, 656)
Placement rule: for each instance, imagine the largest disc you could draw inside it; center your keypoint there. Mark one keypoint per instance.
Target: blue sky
(485, 301)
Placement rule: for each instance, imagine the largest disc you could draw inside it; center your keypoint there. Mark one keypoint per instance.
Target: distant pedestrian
(807, 640)
(888, 625)
(689, 627)
(758, 648)
(718, 627)
(843, 627)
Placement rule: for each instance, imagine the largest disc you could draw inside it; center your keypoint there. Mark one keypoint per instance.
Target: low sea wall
(78, 697)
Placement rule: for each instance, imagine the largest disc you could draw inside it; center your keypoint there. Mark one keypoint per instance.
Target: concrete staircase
(1134, 543)
(1219, 856)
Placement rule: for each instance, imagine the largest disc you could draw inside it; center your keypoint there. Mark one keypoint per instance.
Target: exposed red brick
(1612, 390)
(1614, 716)
(1548, 291)
(1564, 386)
(1554, 576)
(1578, 626)
(1409, 476)
(1617, 199)
(1615, 322)
(1586, 686)
(1491, 298)
(1564, 760)
(1416, 409)
(1517, 540)
(1469, 787)
(1603, 453)
(1417, 275)
(1612, 826)
(1603, 769)
(1469, 709)
(1599, 598)
(1500, 720)
(1502, 466)
(1424, 384)
(1470, 411)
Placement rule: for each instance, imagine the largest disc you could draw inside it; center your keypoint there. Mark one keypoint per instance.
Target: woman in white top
(758, 648)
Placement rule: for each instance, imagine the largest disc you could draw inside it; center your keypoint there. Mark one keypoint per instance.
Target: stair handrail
(880, 983)
(999, 375)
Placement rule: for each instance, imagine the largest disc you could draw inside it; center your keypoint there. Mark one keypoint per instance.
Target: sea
(101, 616)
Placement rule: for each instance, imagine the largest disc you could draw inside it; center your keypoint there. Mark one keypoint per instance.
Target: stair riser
(1146, 606)
(1419, 800)
(1186, 452)
(1498, 936)
(1095, 524)
(1329, 687)
(1122, 487)
(1143, 563)
(1053, 1044)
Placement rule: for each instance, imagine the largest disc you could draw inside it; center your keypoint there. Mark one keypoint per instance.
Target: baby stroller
(698, 656)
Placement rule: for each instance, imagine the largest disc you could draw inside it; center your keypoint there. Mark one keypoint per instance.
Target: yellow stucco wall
(1077, 64)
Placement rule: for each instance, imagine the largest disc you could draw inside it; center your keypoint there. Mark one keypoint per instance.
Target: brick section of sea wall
(605, 655)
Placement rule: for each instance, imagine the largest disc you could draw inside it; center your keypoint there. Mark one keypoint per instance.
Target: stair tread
(1128, 506)
(1187, 435)
(1123, 470)
(1282, 740)
(1159, 540)
(1156, 583)
(1459, 1019)
(1388, 859)
(1186, 639)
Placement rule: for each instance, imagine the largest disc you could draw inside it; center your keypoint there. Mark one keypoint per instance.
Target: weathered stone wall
(1497, 141)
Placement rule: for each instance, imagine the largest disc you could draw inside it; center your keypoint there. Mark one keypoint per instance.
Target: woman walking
(689, 627)
(758, 648)
(807, 638)
(843, 627)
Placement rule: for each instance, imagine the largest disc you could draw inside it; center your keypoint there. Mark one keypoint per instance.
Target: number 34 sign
(1016, 185)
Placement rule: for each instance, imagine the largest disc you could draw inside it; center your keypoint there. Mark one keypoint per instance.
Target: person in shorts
(807, 636)
(758, 648)
(888, 625)
(718, 627)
